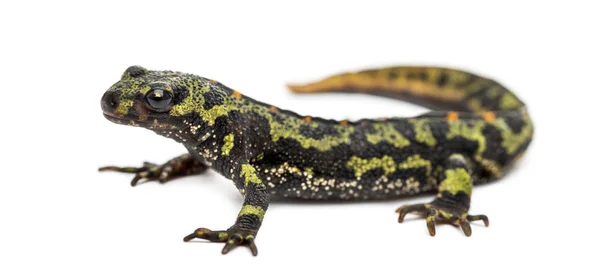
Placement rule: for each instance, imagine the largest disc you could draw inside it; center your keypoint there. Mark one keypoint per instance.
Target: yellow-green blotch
(361, 166)
(223, 236)
(249, 175)
(124, 106)
(388, 133)
(457, 180)
(509, 101)
(252, 210)
(290, 129)
(416, 161)
(458, 128)
(423, 132)
(213, 113)
(228, 141)
(512, 141)
(144, 90)
(194, 102)
(456, 77)
(128, 87)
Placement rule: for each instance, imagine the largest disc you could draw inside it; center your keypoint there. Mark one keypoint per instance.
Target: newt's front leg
(244, 231)
(183, 165)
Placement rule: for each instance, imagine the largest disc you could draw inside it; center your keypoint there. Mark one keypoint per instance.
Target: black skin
(273, 153)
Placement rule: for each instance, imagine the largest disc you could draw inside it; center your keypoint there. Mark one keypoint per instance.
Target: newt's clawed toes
(450, 215)
(232, 238)
(237, 240)
(149, 172)
(180, 166)
(404, 210)
(481, 217)
(198, 233)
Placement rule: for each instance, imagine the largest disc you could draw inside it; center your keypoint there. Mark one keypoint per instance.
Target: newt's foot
(436, 210)
(183, 165)
(233, 237)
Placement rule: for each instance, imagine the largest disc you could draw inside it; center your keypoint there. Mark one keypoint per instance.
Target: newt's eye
(159, 100)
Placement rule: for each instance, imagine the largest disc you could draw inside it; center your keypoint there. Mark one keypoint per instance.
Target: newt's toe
(433, 213)
(233, 237)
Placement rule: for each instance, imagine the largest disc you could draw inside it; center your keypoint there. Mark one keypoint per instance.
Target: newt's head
(160, 100)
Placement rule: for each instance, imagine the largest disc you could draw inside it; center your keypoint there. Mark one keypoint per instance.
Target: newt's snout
(110, 102)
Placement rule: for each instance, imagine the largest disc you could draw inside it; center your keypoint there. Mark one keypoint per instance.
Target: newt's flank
(477, 130)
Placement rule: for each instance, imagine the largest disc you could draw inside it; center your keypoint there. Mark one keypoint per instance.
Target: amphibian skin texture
(478, 129)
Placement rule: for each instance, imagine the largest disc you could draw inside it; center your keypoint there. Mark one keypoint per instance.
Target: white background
(59, 217)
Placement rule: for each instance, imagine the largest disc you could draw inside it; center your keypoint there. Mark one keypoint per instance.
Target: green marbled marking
(361, 165)
(127, 87)
(228, 142)
(456, 77)
(249, 174)
(223, 236)
(388, 133)
(144, 90)
(457, 180)
(512, 141)
(194, 103)
(416, 161)
(290, 129)
(459, 128)
(252, 210)
(423, 132)
(387, 163)
(509, 101)
(124, 106)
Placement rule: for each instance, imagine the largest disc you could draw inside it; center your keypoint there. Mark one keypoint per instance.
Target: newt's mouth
(120, 120)
(150, 124)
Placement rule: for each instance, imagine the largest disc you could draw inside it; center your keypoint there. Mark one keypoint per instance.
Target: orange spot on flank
(237, 94)
(307, 119)
(344, 122)
(273, 108)
(452, 116)
(489, 116)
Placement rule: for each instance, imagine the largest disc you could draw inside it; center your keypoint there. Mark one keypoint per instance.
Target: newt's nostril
(110, 102)
(113, 102)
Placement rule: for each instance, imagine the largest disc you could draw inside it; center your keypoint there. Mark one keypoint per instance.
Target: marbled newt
(478, 129)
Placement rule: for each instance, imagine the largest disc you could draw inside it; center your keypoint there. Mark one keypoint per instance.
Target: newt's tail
(434, 87)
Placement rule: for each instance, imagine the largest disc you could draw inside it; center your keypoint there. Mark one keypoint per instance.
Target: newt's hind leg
(452, 201)
(183, 165)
